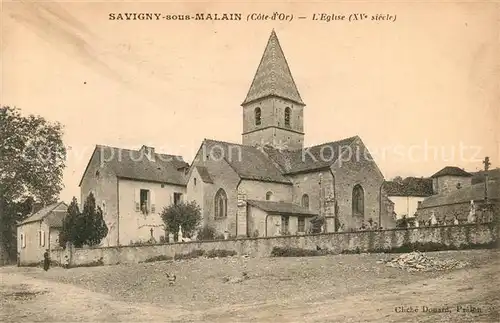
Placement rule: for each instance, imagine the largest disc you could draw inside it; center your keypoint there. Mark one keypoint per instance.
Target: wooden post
(487, 164)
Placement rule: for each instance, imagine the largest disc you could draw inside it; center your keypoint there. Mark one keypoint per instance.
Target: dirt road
(28, 299)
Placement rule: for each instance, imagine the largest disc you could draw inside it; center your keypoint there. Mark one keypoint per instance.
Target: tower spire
(273, 76)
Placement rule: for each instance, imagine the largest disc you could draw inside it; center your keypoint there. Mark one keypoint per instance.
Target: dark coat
(46, 261)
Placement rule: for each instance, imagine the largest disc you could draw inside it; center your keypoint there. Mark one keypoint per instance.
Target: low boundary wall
(466, 236)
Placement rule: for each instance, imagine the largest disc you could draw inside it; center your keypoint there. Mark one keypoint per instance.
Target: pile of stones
(417, 261)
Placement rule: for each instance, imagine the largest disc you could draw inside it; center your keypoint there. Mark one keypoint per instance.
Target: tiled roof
(247, 161)
(410, 186)
(57, 208)
(311, 158)
(463, 195)
(281, 208)
(452, 171)
(205, 176)
(273, 76)
(130, 164)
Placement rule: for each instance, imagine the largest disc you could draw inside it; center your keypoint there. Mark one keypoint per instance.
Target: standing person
(46, 260)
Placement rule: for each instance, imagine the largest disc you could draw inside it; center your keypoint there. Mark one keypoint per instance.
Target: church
(267, 185)
(271, 184)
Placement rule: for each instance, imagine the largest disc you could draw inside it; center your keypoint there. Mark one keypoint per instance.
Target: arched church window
(220, 204)
(269, 196)
(287, 117)
(305, 201)
(257, 117)
(358, 200)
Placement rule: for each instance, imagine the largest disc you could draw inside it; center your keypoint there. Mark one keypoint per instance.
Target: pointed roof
(273, 76)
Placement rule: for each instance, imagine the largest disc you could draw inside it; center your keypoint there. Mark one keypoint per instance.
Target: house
(271, 179)
(449, 179)
(277, 218)
(407, 194)
(40, 232)
(132, 187)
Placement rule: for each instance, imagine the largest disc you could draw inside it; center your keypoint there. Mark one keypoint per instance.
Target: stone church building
(268, 185)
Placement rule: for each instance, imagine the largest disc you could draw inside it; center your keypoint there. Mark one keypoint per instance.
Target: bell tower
(273, 110)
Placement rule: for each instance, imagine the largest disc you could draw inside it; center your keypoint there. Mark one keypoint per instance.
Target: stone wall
(446, 184)
(448, 237)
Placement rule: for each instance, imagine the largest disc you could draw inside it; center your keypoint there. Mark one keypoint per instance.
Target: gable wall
(223, 176)
(104, 189)
(446, 184)
(357, 168)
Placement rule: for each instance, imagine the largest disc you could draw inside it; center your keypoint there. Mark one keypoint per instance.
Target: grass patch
(405, 248)
(428, 247)
(157, 258)
(220, 253)
(190, 255)
(297, 252)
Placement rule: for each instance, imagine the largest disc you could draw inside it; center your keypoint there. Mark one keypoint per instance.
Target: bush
(296, 252)
(83, 228)
(206, 233)
(185, 215)
(158, 258)
(220, 253)
(190, 255)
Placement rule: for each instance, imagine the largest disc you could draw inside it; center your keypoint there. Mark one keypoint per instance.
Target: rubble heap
(417, 261)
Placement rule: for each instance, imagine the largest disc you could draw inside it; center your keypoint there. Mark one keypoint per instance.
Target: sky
(422, 92)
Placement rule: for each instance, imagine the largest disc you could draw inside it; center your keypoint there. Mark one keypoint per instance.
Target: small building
(132, 187)
(407, 194)
(40, 232)
(269, 218)
(450, 179)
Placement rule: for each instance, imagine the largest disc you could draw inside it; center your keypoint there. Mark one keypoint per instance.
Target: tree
(317, 224)
(83, 228)
(187, 215)
(32, 160)
(69, 232)
(94, 222)
(398, 179)
(403, 222)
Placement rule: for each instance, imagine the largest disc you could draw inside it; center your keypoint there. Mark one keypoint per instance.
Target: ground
(346, 288)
